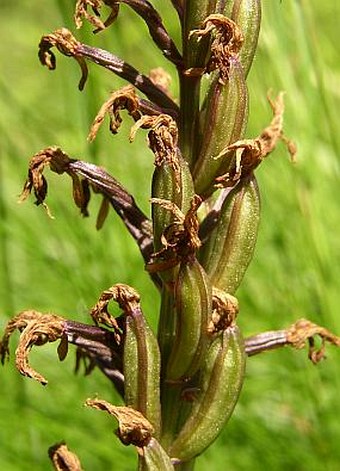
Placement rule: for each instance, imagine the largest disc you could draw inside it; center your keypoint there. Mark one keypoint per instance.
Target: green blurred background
(289, 413)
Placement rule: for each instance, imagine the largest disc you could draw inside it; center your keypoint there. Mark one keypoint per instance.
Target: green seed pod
(221, 380)
(193, 300)
(230, 245)
(141, 368)
(223, 119)
(224, 7)
(247, 16)
(154, 458)
(171, 181)
(196, 49)
(166, 324)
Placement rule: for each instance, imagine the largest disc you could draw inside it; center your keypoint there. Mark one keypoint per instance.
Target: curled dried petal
(59, 163)
(251, 152)
(19, 322)
(162, 140)
(185, 227)
(67, 44)
(225, 310)
(81, 12)
(180, 239)
(304, 330)
(133, 427)
(126, 297)
(163, 136)
(63, 459)
(226, 42)
(47, 328)
(36, 329)
(125, 98)
(191, 223)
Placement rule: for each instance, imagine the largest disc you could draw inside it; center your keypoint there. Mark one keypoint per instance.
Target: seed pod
(223, 119)
(141, 367)
(230, 246)
(154, 458)
(193, 300)
(196, 49)
(166, 324)
(247, 16)
(171, 181)
(221, 380)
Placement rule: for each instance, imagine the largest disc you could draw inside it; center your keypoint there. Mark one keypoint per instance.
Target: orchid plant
(179, 386)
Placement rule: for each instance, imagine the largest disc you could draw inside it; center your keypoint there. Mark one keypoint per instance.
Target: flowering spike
(180, 387)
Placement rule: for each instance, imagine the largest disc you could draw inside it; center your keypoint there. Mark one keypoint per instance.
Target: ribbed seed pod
(167, 324)
(221, 380)
(222, 121)
(171, 181)
(193, 301)
(141, 368)
(230, 246)
(247, 16)
(154, 458)
(197, 49)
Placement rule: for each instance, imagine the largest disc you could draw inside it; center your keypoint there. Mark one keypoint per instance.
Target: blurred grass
(288, 416)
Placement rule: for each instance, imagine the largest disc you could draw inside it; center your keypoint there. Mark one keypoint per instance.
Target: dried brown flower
(251, 152)
(63, 459)
(133, 428)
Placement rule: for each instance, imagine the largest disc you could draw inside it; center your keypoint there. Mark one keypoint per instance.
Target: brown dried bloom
(63, 459)
(123, 99)
(251, 152)
(133, 427)
(36, 329)
(227, 40)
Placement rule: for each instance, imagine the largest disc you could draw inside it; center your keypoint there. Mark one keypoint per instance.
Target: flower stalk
(180, 385)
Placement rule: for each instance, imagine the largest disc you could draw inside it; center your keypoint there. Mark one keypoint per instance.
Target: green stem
(189, 99)
(194, 57)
